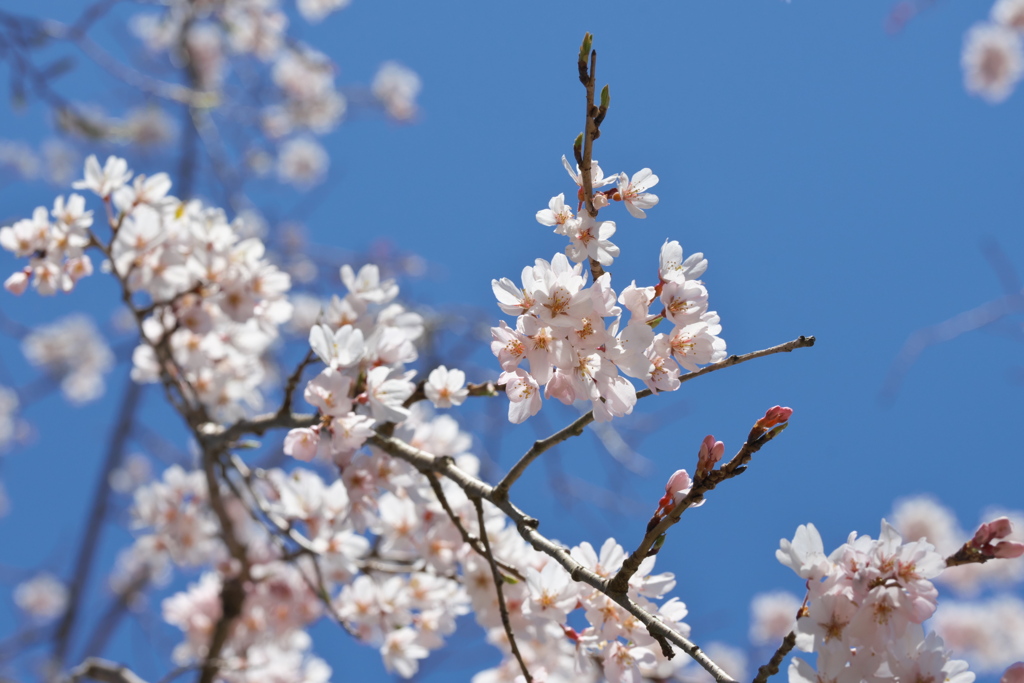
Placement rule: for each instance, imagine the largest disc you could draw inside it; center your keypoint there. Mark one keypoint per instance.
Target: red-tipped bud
(1015, 674)
(710, 453)
(774, 416)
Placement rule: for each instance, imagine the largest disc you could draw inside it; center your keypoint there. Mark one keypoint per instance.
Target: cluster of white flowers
(868, 600)
(365, 340)
(216, 300)
(561, 329)
(993, 56)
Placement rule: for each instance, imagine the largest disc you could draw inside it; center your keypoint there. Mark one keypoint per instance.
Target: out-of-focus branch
(95, 669)
(97, 515)
(959, 324)
(488, 554)
(576, 427)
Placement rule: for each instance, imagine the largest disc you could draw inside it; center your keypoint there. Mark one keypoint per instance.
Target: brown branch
(734, 468)
(527, 528)
(576, 428)
(772, 667)
(469, 538)
(498, 581)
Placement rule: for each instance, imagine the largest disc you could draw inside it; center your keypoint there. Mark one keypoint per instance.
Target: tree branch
(576, 428)
(498, 581)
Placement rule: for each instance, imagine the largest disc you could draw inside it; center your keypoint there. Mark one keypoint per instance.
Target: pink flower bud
(987, 532)
(1008, 550)
(774, 416)
(1014, 674)
(710, 453)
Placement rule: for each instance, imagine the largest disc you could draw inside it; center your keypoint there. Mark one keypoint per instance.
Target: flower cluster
(993, 55)
(868, 600)
(365, 340)
(561, 329)
(214, 299)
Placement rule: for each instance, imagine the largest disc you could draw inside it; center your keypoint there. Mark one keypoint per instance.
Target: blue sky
(837, 177)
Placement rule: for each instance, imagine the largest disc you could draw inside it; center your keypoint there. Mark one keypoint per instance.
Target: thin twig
(527, 528)
(469, 538)
(498, 581)
(577, 426)
(735, 467)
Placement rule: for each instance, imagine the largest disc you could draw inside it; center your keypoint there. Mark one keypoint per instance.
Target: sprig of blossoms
(868, 599)
(575, 354)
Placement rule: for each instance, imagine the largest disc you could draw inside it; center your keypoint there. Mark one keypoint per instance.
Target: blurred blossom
(203, 41)
(62, 161)
(250, 223)
(772, 617)
(8, 416)
(305, 314)
(135, 471)
(73, 350)
(992, 60)
(1009, 13)
(316, 10)
(396, 87)
(731, 659)
(989, 634)
(259, 162)
(148, 127)
(41, 597)
(302, 162)
(20, 158)
(924, 517)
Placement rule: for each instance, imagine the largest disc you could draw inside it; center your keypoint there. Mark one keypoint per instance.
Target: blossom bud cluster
(562, 332)
(868, 600)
